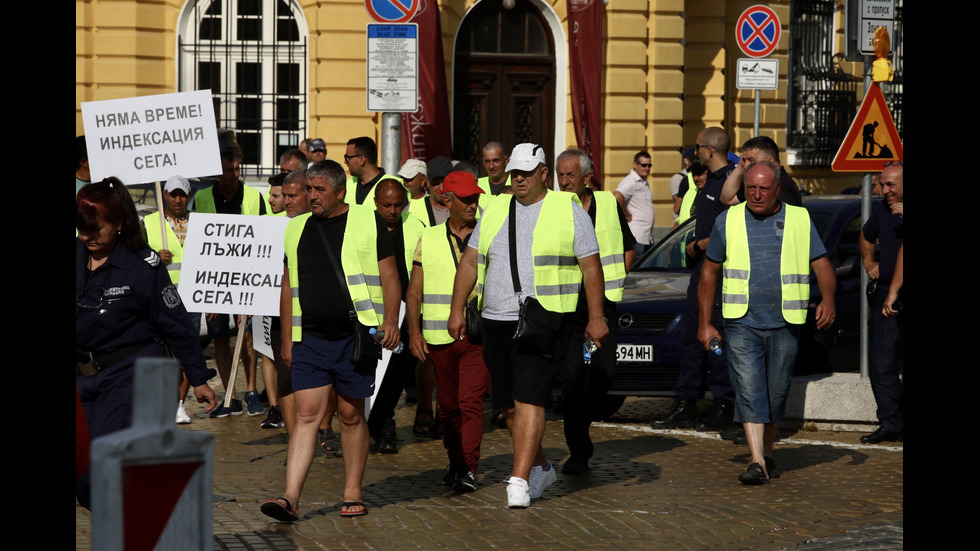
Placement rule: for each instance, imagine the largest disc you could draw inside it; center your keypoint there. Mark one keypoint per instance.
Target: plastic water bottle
(587, 349)
(380, 335)
(715, 346)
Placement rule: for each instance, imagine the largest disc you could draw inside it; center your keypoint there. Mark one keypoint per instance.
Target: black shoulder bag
(536, 326)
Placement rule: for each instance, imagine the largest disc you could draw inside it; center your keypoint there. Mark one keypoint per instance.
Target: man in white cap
(176, 215)
(415, 178)
(533, 251)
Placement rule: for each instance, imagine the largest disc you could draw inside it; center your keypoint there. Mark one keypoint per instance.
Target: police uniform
(123, 310)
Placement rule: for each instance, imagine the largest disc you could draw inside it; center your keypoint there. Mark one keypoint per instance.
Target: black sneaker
(274, 419)
(451, 475)
(387, 443)
(682, 416)
(575, 464)
(465, 482)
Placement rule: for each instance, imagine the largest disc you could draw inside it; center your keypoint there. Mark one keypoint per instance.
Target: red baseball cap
(463, 184)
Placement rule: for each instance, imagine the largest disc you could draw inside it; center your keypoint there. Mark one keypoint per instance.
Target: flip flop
(348, 505)
(275, 509)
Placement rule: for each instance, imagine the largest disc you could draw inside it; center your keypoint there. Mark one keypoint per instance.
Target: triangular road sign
(872, 139)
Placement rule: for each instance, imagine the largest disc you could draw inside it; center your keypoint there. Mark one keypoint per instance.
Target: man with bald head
(405, 230)
(698, 367)
(885, 226)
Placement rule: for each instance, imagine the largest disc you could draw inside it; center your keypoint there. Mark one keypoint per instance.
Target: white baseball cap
(526, 157)
(176, 182)
(411, 169)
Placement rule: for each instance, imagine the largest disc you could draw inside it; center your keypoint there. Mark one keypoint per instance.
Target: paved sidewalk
(647, 490)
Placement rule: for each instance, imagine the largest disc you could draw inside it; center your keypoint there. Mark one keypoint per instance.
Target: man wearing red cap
(462, 378)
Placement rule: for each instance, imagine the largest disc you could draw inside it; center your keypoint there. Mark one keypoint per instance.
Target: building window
(252, 55)
(824, 98)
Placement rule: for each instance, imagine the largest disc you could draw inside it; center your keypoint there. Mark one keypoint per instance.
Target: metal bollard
(151, 483)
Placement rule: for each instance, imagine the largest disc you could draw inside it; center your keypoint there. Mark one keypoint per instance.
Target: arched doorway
(504, 79)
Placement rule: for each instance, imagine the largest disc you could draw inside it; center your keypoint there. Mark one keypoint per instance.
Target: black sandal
(274, 509)
(328, 441)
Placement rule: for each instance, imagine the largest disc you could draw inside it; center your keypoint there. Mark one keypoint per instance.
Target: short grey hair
(584, 162)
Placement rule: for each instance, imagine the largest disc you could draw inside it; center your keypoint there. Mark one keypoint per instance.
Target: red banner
(585, 72)
(427, 133)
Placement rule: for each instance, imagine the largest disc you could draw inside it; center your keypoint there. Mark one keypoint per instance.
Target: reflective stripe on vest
(154, 237)
(610, 236)
(359, 259)
(794, 265)
(351, 196)
(557, 276)
(438, 275)
(204, 200)
(687, 203)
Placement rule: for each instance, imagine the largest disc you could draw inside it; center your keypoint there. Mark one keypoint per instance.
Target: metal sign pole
(391, 142)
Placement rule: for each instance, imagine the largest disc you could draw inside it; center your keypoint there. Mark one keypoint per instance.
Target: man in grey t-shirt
(545, 253)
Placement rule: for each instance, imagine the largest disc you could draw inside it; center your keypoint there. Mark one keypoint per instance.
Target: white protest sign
(233, 264)
(262, 325)
(151, 138)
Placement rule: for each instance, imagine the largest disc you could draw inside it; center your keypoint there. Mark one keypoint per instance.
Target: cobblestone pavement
(647, 490)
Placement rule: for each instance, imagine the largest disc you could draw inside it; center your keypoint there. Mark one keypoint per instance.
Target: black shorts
(526, 378)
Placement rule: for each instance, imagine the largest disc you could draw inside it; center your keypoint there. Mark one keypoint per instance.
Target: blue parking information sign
(392, 68)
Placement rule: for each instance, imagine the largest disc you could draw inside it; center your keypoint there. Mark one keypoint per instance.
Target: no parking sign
(392, 11)
(757, 31)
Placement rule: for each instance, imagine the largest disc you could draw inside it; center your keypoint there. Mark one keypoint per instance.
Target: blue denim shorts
(319, 362)
(761, 363)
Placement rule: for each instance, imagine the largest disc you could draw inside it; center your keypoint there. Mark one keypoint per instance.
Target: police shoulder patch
(152, 258)
(171, 298)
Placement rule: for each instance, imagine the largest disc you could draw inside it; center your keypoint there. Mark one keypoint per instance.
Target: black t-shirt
(398, 243)
(323, 297)
(361, 190)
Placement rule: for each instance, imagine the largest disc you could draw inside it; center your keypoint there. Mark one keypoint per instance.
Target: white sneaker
(541, 479)
(182, 417)
(518, 496)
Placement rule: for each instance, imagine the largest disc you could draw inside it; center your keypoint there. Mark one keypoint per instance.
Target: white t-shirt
(639, 202)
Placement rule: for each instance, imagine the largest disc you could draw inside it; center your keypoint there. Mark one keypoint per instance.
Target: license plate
(634, 353)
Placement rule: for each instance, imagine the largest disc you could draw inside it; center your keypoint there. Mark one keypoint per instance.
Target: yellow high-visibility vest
(794, 265)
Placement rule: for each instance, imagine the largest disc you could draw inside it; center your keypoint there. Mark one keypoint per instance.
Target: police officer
(125, 305)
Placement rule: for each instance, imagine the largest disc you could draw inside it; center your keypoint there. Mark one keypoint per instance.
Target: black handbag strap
(449, 238)
(512, 227)
(336, 266)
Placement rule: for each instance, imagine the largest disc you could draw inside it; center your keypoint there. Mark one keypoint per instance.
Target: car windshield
(669, 253)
